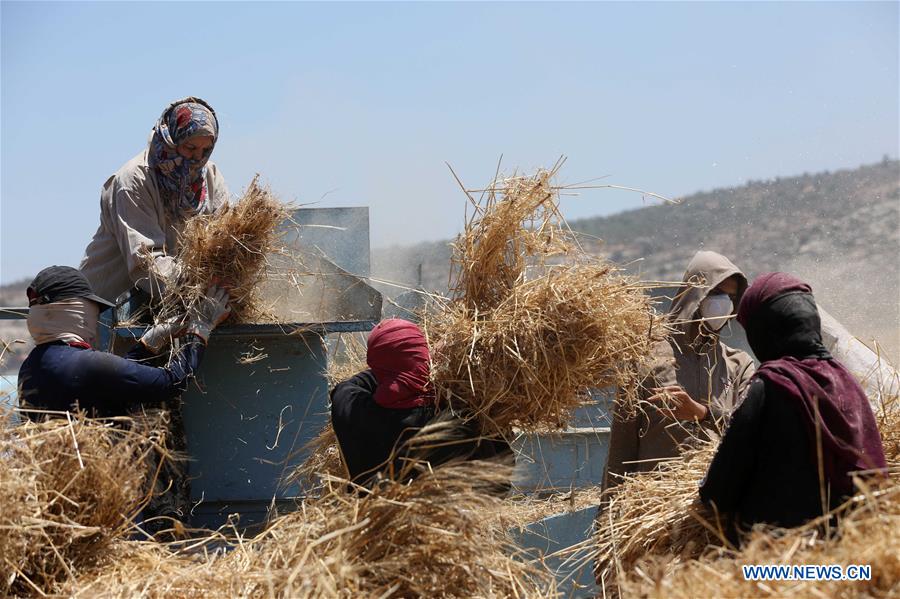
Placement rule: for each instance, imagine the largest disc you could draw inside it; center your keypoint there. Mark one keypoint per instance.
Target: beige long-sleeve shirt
(133, 221)
(712, 373)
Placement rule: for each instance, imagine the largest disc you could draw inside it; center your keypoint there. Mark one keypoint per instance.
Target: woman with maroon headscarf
(374, 412)
(805, 425)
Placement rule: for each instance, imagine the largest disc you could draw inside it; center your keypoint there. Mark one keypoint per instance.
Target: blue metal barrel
(260, 397)
(570, 458)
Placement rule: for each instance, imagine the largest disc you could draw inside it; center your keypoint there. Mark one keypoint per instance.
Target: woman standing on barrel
(144, 205)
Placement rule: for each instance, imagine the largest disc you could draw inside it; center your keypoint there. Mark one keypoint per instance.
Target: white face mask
(716, 309)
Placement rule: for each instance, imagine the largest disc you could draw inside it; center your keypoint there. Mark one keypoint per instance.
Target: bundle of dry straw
(67, 488)
(423, 539)
(656, 513)
(228, 248)
(654, 538)
(534, 322)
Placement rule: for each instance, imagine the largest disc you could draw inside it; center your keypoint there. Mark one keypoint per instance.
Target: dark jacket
(56, 376)
(369, 434)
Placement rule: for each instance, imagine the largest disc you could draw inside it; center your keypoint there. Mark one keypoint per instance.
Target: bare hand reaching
(677, 403)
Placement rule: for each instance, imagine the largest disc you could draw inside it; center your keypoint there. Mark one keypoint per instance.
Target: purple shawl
(797, 367)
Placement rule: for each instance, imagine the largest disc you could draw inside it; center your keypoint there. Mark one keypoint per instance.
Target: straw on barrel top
(229, 248)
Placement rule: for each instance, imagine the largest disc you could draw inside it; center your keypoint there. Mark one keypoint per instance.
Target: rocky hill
(839, 230)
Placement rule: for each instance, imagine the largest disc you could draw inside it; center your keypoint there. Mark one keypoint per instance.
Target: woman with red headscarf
(804, 428)
(376, 411)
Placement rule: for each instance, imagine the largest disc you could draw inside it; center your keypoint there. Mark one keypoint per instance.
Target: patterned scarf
(181, 181)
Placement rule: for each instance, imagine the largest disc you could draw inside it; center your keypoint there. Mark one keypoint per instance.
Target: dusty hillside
(839, 230)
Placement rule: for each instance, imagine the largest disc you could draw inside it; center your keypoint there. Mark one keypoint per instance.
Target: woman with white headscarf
(144, 205)
(65, 372)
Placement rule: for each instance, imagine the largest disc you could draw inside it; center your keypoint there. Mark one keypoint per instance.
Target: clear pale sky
(361, 104)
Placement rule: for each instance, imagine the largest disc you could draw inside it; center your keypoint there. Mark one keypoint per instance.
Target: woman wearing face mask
(145, 204)
(805, 425)
(694, 377)
(64, 372)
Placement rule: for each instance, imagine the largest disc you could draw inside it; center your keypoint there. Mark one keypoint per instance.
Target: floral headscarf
(181, 181)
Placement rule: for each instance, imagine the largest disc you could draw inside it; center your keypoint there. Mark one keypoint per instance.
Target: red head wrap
(399, 358)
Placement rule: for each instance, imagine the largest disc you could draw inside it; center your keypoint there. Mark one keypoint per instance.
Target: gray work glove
(158, 336)
(211, 311)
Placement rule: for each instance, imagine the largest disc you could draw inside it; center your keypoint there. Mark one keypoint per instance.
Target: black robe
(765, 469)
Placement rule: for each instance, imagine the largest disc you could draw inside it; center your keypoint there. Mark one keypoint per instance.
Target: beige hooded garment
(712, 373)
(132, 216)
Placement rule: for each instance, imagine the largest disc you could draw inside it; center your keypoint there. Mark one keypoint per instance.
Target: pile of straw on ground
(868, 535)
(427, 538)
(64, 528)
(518, 511)
(655, 539)
(534, 321)
(656, 513)
(67, 488)
(228, 248)
(153, 570)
